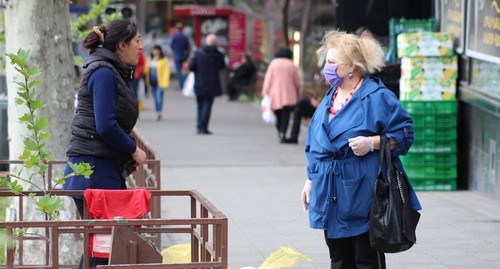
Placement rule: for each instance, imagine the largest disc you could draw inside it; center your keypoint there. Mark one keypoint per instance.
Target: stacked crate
(402, 25)
(429, 71)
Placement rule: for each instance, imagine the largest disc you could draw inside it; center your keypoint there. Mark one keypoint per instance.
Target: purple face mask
(330, 74)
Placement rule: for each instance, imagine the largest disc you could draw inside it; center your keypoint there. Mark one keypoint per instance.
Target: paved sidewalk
(256, 183)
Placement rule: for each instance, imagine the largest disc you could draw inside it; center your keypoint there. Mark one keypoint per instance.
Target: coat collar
(350, 116)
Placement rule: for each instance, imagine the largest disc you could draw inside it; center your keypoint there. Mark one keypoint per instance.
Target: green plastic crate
(434, 120)
(440, 184)
(438, 133)
(402, 25)
(430, 107)
(434, 146)
(431, 171)
(422, 159)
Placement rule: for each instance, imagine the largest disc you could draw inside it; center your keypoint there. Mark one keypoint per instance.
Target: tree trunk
(32, 25)
(42, 26)
(285, 22)
(304, 33)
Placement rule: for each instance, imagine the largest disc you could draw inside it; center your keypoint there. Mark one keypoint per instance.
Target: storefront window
(485, 77)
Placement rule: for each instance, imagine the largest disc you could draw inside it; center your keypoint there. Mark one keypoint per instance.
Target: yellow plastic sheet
(284, 257)
(180, 253)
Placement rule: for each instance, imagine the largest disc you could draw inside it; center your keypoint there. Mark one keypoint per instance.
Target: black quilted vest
(84, 138)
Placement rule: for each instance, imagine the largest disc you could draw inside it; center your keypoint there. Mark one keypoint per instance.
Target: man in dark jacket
(180, 48)
(206, 65)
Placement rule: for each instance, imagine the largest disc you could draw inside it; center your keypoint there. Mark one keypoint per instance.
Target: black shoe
(289, 141)
(204, 132)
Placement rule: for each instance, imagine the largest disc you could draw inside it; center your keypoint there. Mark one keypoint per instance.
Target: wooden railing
(207, 226)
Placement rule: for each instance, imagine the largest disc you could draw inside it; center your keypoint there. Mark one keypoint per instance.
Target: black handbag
(392, 220)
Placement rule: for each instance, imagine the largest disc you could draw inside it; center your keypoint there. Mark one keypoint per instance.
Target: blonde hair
(364, 52)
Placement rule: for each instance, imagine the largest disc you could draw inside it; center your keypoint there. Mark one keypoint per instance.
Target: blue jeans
(178, 71)
(158, 95)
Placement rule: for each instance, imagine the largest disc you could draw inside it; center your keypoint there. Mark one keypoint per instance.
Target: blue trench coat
(342, 183)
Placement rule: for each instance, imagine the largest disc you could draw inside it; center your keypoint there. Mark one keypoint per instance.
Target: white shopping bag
(267, 113)
(188, 88)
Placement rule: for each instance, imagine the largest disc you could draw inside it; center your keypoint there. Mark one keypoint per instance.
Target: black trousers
(303, 108)
(354, 253)
(282, 120)
(204, 107)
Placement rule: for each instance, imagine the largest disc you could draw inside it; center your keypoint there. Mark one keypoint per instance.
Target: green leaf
(33, 71)
(62, 181)
(30, 162)
(16, 60)
(82, 169)
(77, 60)
(15, 187)
(24, 155)
(23, 94)
(41, 124)
(36, 104)
(34, 83)
(30, 145)
(4, 180)
(44, 135)
(19, 101)
(21, 84)
(49, 204)
(26, 118)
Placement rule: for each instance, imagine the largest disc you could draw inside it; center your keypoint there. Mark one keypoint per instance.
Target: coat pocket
(353, 198)
(319, 193)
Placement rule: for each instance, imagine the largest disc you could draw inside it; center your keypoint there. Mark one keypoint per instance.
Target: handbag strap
(381, 153)
(386, 145)
(384, 152)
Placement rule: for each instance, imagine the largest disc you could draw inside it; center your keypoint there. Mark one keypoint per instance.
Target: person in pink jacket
(282, 84)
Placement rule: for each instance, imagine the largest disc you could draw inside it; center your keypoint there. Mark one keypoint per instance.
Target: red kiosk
(227, 23)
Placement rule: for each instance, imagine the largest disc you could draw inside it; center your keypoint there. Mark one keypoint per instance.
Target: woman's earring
(350, 75)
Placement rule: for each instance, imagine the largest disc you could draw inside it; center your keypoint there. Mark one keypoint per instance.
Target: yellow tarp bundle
(283, 257)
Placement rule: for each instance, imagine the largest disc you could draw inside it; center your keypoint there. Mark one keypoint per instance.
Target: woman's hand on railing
(139, 157)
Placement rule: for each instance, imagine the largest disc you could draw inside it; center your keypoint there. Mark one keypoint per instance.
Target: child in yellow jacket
(157, 72)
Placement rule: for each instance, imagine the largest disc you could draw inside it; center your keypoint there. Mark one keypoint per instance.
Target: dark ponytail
(114, 32)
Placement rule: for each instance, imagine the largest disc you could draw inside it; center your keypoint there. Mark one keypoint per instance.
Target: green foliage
(34, 155)
(80, 28)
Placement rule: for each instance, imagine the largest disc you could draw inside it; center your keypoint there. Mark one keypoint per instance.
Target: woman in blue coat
(341, 148)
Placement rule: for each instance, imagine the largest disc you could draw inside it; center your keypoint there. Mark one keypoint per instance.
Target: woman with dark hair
(282, 84)
(106, 113)
(157, 72)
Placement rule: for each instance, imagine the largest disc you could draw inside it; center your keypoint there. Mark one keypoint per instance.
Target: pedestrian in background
(282, 84)
(138, 75)
(106, 113)
(157, 72)
(180, 48)
(304, 108)
(241, 76)
(342, 144)
(206, 64)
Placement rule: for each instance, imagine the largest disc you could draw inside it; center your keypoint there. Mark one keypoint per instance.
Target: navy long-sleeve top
(106, 174)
